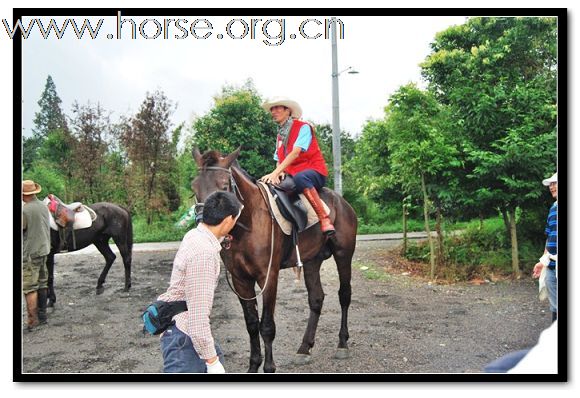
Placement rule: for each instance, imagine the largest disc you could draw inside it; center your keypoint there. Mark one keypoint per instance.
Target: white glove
(215, 367)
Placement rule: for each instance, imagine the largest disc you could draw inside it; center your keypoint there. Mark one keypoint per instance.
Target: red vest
(310, 159)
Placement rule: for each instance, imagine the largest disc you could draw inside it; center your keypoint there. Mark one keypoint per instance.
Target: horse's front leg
(245, 290)
(267, 325)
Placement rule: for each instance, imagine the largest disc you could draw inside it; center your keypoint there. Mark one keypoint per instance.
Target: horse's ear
(197, 156)
(232, 157)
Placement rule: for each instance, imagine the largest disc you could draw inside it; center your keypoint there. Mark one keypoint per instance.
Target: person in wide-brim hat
(35, 248)
(29, 187)
(295, 109)
(298, 155)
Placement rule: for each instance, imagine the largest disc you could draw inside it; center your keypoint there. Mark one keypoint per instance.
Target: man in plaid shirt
(188, 346)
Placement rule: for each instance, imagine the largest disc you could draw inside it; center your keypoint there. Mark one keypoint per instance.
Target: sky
(118, 74)
(386, 51)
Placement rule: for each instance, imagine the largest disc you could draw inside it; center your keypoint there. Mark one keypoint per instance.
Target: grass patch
(157, 231)
(372, 272)
(390, 227)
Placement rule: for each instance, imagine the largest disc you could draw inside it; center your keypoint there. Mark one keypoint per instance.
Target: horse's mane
(236, 164)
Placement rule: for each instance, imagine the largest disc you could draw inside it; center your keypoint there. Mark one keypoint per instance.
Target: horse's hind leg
(343, 264)
(50, 269)
(315, 300)
(105, 250)
(127, 258)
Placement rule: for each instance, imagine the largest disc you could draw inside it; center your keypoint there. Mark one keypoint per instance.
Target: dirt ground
(397, 323)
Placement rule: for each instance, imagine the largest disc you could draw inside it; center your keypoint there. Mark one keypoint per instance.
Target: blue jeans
(505, 363)
(309, 179)
(179, 356)
(552, 286)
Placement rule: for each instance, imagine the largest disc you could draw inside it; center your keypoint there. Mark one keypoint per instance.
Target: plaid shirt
(194, 278)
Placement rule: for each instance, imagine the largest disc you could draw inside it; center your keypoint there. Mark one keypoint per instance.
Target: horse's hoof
(50, 304)
(126, 289)
(303, 359)
(342, 353)
(100, 290)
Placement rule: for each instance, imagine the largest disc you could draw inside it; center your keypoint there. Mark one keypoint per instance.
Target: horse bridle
(233, 187)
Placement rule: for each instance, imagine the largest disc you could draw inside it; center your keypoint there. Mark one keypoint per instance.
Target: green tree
(49, 118)
(237, 118)
(90, 125)
(324, 136)
(499, 77)
(57, 153)
(370, 163)
(147, 139)
(420, 147)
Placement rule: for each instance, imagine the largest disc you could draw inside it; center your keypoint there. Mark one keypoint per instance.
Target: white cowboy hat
(29, 187)
(550, 180)
(295, 109)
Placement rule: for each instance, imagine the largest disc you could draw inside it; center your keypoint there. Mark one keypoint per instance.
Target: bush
(478, 252)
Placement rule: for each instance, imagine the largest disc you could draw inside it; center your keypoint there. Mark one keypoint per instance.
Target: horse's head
(214, 175)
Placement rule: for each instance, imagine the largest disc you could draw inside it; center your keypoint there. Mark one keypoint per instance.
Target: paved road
(169, 246)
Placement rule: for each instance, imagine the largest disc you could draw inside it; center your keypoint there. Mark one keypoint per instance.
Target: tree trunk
(514, 239)
(404, 251)
(441, 249)
(506, 222)
(427, 228)
(149, 195)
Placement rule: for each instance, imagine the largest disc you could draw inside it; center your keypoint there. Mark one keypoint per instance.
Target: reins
(236, 190)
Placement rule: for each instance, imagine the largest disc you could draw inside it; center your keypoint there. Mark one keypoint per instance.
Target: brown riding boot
(325, 223)
(32, 310)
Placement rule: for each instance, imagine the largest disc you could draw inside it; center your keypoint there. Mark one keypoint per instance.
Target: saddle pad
(83, 219)
(284, 224)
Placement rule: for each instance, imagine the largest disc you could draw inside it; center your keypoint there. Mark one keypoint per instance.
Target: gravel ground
(398, 323)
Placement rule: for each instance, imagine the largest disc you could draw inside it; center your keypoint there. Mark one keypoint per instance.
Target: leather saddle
(290, 204)
(64, 214)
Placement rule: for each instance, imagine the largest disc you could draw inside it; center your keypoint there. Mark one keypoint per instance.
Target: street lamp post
(336, 149)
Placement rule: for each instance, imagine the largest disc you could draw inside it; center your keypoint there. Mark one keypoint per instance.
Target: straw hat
(295, 109)
(29, 187)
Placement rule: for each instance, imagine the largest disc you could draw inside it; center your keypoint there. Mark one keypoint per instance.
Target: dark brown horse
(259, 250)
(113, 221)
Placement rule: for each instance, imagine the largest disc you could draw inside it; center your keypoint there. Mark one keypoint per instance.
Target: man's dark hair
(220, 205)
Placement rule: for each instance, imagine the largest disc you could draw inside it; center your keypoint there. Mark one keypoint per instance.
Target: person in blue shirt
(550, 257)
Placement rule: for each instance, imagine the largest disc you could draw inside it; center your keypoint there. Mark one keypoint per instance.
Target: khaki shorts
(34, 274)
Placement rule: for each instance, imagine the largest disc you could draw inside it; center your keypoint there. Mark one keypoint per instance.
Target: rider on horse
(298, 154)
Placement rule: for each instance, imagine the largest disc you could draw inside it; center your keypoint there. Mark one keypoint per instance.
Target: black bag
(157, 316)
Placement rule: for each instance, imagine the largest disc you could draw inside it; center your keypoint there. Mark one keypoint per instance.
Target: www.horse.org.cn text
(270, 31)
